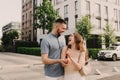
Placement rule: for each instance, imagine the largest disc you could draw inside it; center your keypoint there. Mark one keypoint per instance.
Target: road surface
(25, 67)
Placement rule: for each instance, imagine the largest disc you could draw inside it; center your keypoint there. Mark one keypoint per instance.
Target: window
(106, 0)
(29, 35)
(23, 17)
(54, 2)
(88, 7)
(26, 16)
(76, 5)
(35, 2)
(97, 6)
(23, 1)
(105, 12)
(116, 1)
(58, 10)
(76, 18)
(26, 32)
(30, 14)
(57, 1)
(22, 33)
(119, 26)
(66, 20)
(116, 26)
(66, 11)
(115, 14)
(31, 4)
(119, 15)
(98, 24)
(104, 23)
(26, 24)
(22, 24)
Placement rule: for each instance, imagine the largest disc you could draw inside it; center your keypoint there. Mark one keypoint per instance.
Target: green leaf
(84, 27)
(45, 16)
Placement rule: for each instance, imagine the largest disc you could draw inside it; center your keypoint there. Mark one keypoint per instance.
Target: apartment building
(27, 20)
(12, 26)
(28, 31)
(99, 11)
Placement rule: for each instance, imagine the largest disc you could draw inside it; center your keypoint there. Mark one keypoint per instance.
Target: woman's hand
(69, 54)
(64, 62)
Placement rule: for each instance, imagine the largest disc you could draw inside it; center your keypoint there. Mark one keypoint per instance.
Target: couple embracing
(63, 62)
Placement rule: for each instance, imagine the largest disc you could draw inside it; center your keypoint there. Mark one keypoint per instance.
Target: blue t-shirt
(52, 46)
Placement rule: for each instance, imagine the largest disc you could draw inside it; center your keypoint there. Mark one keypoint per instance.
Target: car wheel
(114, 57)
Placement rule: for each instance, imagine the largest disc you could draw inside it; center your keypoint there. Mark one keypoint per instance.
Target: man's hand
(64, 62)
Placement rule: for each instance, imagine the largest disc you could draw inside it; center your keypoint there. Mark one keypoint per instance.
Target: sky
(10, 10)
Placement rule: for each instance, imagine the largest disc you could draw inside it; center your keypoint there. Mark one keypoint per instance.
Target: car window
(115, 44)
(111, 48)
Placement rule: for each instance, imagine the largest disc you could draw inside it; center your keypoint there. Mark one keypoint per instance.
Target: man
(51, 51)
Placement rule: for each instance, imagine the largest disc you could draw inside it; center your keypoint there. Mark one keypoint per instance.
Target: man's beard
(58, 33)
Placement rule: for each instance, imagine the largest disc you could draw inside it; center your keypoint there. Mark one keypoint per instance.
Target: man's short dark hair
(60, 21)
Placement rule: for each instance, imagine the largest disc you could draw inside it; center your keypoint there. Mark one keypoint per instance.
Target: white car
(116, 44)
(112, 52)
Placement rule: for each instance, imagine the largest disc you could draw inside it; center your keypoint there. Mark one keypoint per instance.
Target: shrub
(1, 48)
(8, 48)
(25, 44)
(94, 42)
(29, 50)
(93, 52)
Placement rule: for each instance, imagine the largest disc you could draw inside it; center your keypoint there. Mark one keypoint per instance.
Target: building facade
(12, 26)
(28, 31)
(28, 20)
(99, 11)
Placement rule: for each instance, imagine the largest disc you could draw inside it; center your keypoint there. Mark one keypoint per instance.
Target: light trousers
(54, 78)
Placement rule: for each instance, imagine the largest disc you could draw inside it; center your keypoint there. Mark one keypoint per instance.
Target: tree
(84, 27)
(44, 16)
(109, 35)
(7, 38)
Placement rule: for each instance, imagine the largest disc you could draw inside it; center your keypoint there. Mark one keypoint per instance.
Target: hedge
(29, 50)
(93, 52)
(19, 43)
(36, 51)
(2, 48)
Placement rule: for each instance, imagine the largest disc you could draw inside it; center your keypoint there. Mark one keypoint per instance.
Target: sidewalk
(114, 77)
(19, 66)
(106, 69)
(103, 76)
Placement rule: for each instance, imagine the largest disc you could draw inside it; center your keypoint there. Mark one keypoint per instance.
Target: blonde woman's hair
(80, 44)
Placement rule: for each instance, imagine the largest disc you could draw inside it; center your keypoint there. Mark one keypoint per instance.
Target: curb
(20, 66)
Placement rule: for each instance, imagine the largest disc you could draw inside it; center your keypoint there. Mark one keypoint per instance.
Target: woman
(76, 55)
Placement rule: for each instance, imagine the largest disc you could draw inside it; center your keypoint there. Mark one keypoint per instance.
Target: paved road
(24, 67)
(115, 77)
(19, 67)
